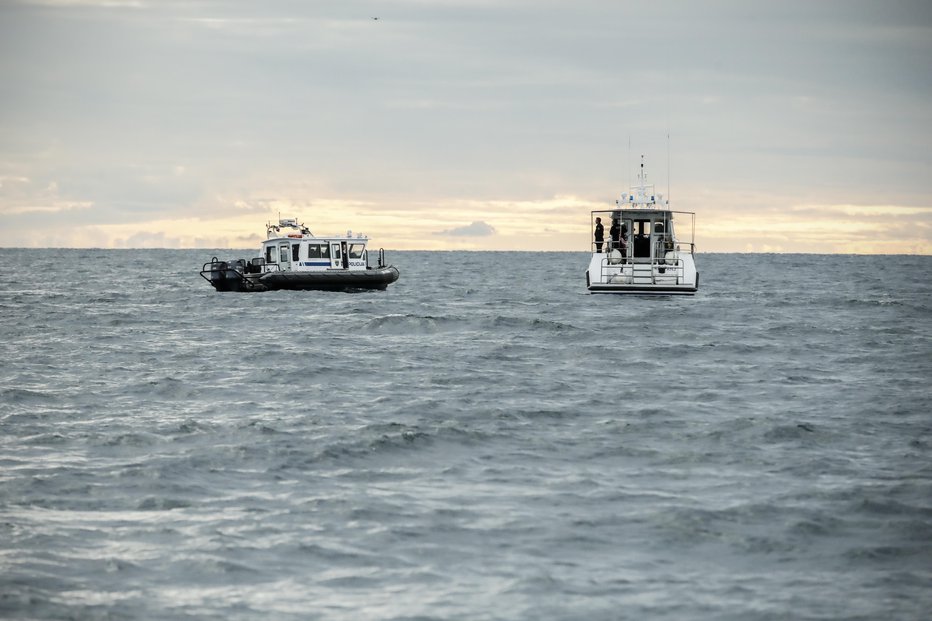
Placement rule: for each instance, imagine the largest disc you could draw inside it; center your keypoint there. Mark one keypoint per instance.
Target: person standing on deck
(599, 234)
(615, 232)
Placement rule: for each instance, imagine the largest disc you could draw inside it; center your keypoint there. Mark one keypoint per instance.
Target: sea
(484, 440)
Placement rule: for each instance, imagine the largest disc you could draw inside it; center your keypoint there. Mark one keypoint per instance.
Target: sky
(792, 126)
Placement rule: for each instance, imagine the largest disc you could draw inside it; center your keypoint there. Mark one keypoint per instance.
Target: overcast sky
(443, 124)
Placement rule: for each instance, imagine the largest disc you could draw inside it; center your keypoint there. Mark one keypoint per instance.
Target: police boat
(294, 258)
(646, 251)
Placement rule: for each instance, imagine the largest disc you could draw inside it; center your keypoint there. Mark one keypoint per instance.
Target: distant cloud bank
(476, 229)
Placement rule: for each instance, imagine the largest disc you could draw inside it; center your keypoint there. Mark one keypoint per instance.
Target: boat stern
(674, 274)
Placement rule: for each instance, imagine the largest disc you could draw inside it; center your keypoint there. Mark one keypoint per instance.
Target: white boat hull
(674, 276)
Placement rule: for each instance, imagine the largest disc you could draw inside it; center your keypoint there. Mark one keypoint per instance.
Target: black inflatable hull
(230, 276)
(331, 280)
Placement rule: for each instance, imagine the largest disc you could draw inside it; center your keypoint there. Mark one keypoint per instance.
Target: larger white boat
(646, 251)
(294, 258)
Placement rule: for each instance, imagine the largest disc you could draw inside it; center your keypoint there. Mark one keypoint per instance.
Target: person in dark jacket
(615, 232)
(599, 234)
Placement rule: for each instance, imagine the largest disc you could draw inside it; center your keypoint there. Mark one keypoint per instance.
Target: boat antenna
(628, 163)
(669, 106)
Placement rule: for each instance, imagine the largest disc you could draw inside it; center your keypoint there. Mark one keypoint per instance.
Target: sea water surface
(484, 440)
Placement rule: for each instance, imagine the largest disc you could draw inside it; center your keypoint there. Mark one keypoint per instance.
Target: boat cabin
(638, 234)
(315, 253)
(291, 247)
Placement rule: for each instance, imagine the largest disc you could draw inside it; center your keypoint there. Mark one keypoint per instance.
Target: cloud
(54, 207)
(20, 196)
(882, 211)
(476, 229)
(117, 4)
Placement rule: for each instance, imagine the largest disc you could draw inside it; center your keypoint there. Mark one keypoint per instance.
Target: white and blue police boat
(294, 258)
(646, 251)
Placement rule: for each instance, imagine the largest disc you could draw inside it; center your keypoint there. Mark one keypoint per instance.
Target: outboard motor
(218, 275)
(226, 275)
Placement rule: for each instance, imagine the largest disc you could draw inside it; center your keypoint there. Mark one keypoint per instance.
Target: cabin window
(284, 254)
(295, 252)
(355, 251)
(269, 257)
(318, 251)
(336, 252)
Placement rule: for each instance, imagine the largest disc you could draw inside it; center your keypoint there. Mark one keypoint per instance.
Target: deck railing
(608, 246)
(629, 268)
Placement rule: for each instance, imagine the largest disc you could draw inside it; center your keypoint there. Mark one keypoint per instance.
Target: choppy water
(483, 440)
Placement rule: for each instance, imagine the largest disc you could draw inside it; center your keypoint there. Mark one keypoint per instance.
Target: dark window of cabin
(642, 238)
(336, 252)
(313, 251)
(295, 252)
(325, 251)
(355, 251)
(269, 256)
